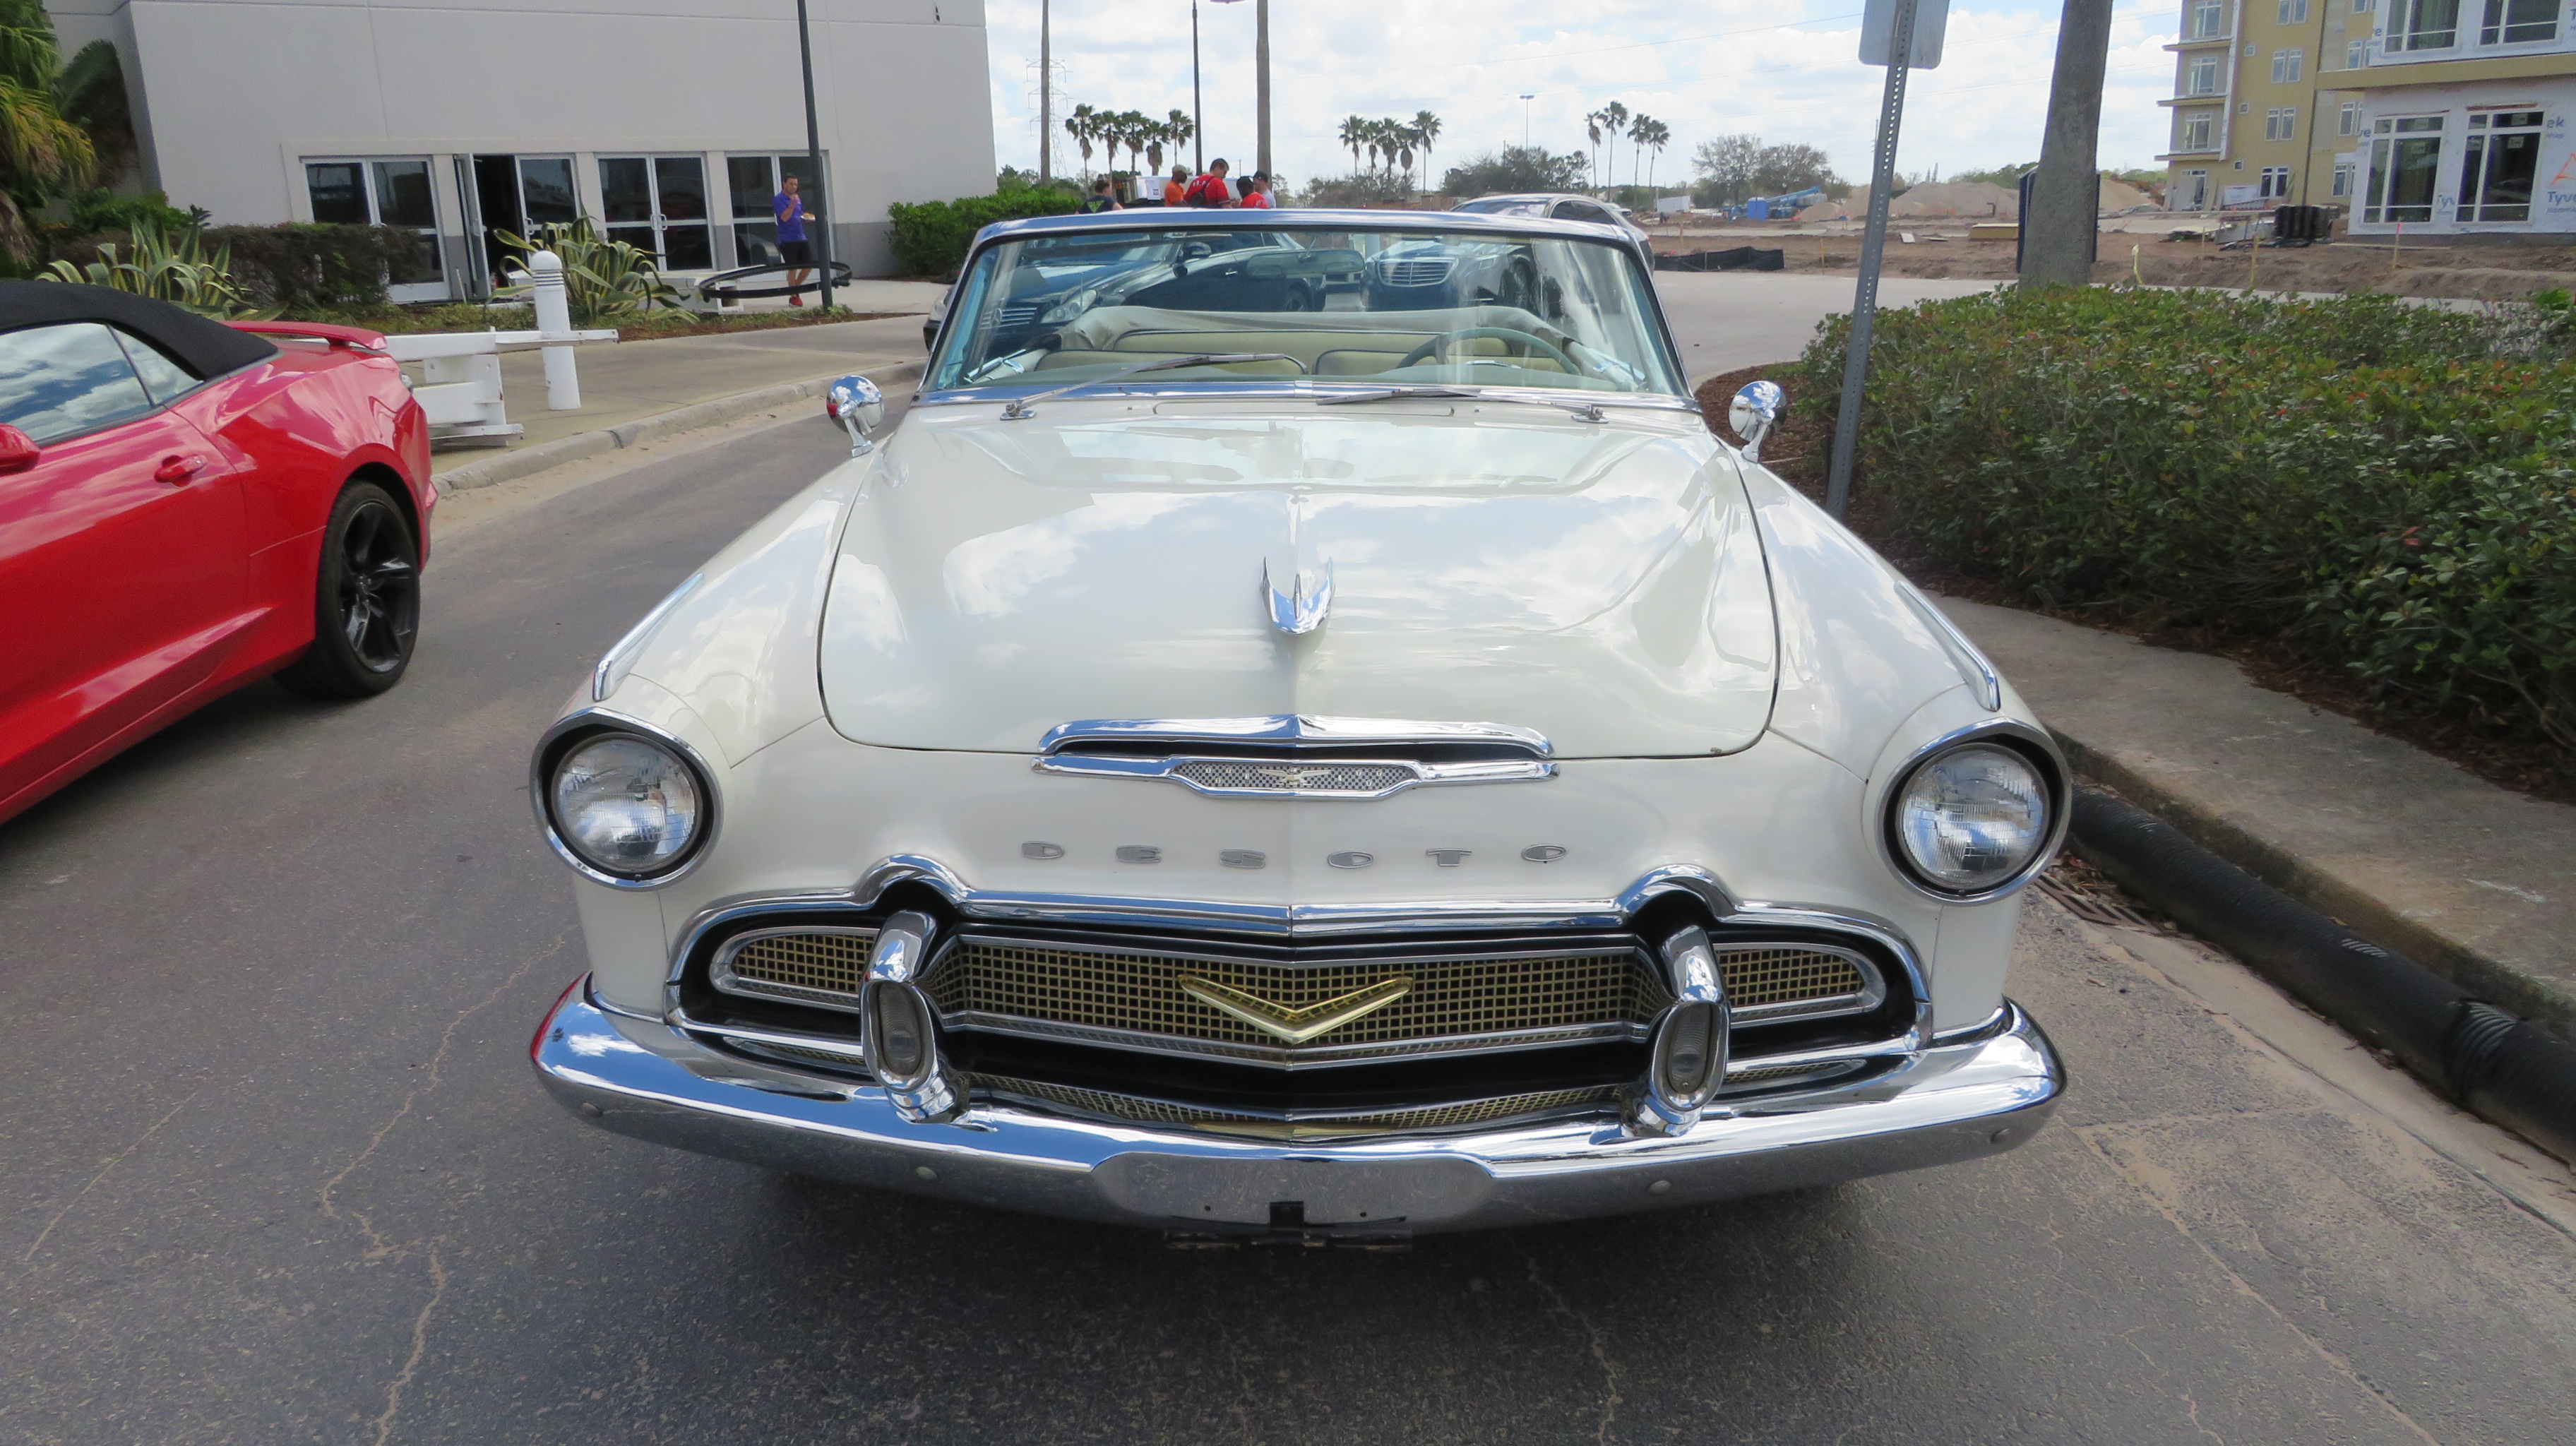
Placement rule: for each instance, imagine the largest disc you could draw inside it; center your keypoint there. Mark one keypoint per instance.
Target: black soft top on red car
(208, 348)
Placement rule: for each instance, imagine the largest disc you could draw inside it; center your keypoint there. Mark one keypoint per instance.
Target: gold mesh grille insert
(834, 963)
(1757, 977)
(1428, 1117)
(1462, 995)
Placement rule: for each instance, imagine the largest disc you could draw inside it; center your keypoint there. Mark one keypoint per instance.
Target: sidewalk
(634, 382)
(2470, 880)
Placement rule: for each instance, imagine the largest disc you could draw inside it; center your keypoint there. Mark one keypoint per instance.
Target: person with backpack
(1210, 190)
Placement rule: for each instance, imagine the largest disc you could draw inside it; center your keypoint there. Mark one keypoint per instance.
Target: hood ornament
(1298, 611)
(1296, 1026)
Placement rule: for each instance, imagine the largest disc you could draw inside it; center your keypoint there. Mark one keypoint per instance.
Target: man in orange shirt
(1177, 186)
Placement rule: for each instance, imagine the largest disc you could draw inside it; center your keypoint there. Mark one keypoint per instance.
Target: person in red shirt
(1256, 192)
(1210, 190)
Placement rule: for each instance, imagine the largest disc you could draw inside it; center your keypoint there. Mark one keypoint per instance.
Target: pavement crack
(430, 1076)
(1559, 1305)
(83, 1191)
(419, 1347)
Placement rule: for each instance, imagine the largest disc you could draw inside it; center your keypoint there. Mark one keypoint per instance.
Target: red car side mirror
(18, 451)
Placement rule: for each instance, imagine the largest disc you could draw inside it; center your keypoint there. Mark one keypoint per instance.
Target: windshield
(1373, 307)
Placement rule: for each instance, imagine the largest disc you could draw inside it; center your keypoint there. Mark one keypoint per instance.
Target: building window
(2207, 16)
(2275, 185)
(2281, 123)
(659, 204)
(2197, 127)
(2423, 24)
(2356, 54)
(392, 193)
(2343, 180)
(2191, 193)
(756, 182)
(2286, 65)
(2499, 163)
(2202, 77)
(2405, 160)
(2295, 12)
(2348, 119)
(2361, 7)
(2518, 22)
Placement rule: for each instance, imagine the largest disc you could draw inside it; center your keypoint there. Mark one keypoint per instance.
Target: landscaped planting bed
(2380, 495)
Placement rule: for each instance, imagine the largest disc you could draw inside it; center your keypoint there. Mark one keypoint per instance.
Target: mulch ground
(2500, 754)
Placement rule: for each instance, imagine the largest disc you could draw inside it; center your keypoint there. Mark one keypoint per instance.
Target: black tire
(366, 600)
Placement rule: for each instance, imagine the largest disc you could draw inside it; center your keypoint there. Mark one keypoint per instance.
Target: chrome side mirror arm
(859, 407)
(1755, 414)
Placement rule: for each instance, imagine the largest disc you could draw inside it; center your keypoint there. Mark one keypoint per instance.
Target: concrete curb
(528, 461)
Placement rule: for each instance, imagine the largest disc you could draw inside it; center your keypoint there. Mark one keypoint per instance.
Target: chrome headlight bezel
(588, 726)
(2035, 748)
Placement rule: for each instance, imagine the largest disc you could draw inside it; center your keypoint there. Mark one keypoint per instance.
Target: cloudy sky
(1783, 69)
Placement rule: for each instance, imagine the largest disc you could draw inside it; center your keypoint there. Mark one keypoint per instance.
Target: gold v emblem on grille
(1297, 1025)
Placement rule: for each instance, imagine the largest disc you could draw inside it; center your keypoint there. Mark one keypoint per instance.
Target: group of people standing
(1211, 189)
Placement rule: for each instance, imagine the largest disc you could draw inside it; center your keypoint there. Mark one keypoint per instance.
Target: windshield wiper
(1588, 411)
(1025, 406)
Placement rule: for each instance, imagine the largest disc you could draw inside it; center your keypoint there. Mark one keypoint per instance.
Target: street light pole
(1526, 98)
(814, 152)
(1261, 78)
(1046, 92)
(1198, 110)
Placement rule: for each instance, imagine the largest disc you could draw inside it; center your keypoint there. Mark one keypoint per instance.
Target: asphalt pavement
(279, 1171)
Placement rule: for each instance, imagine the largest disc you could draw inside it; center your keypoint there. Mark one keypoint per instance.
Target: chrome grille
(1787, 979)
(1414, 273)
(1579, 993)
(1461, 1115)
(1232, 775)
(1018, 313)
(806, 965)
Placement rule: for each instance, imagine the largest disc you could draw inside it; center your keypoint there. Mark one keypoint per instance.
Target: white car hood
(1601, 583)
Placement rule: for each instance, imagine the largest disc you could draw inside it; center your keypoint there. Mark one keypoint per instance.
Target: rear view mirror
(18, 451)
(859, 407)
(1302, 264)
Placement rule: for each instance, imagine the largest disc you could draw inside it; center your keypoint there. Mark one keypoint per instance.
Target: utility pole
(2059, 229)
(1887, 37)
(1198, 110)
(1046, 92)
(814, 154)
(1526, 98)
(1261, 78)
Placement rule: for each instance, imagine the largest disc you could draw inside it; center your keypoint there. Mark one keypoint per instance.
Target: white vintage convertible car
(1313, 774)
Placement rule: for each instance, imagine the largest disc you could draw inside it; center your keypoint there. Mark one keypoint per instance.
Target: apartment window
(2281, 123)
(2518, 22)
(2361, 7)
(2405, 160)
(2295, 12)
(2191, 194)
(2201, 76)
(2208, 17)
(2423, 24)
(392, 193)
(2275, 184)
(2498, 165)
(2356, 53)
(755, 182)
(2195, 131)
(2286, 65)
(2348, 119)
(2343, 177)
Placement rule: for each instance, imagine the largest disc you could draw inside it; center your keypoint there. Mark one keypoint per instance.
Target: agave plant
(605, 280)
(175, 269)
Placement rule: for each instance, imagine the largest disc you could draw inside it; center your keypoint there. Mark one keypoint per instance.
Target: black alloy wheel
(366, 600)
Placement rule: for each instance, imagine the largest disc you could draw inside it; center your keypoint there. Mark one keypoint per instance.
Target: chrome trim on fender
(609, 720)
(1936, 1105)
(1974, 670)
(1170, 770)
(619, 660)
(1295, 729)
(2061, 804)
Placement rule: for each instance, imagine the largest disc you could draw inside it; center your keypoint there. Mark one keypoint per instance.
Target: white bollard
(554, 314)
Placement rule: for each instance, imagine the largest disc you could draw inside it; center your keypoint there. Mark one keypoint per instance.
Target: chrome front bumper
(1978, 1093)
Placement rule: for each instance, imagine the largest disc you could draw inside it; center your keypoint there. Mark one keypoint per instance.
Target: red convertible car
(187, 506)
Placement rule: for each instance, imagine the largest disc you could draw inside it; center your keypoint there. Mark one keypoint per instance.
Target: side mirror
(1755, 414)
(859, 407)
(18, 451)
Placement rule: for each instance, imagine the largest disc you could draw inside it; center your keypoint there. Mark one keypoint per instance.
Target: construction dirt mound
(1963, 201)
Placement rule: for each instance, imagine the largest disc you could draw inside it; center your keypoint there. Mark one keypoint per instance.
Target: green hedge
(307, 267)
(2369, 479)
(930, 239)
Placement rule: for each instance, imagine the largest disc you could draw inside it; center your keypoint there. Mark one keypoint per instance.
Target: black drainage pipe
(2503, 1068)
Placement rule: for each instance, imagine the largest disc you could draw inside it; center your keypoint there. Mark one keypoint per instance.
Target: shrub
(175, 268)
(931, 237)
(104, 210)
(304, 267)
(1521, 168)
(2366, 479)
(605, 281)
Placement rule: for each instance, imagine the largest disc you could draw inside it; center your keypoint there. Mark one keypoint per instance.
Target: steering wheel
(1498, 333)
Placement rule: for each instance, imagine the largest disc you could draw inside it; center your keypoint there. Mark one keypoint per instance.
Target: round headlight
(627, 806)
(1971, 819)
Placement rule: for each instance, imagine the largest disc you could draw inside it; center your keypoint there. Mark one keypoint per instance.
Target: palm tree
(1404, 138)
(1084, 126)
(1179, 128)
(90, 93)
(1426, 131)
(40, 152)
(1654, 135)
(1592, 131)
(1613, 116)
(1354, 135)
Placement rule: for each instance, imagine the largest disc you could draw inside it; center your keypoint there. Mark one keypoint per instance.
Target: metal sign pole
(814, 151)
(1873, 245)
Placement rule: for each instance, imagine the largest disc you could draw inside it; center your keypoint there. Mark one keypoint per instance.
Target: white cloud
(1787, 72)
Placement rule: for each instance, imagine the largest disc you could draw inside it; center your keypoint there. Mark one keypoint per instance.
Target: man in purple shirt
(793, 248)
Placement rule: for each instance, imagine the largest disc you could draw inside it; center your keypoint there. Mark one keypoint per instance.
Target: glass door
(754, 183)
(389, 193)
(658, 204)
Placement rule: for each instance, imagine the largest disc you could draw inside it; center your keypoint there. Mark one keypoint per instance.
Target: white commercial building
(669, 122)
(2453, 117)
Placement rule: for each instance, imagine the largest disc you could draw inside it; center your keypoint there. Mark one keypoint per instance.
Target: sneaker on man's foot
(796, 301)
